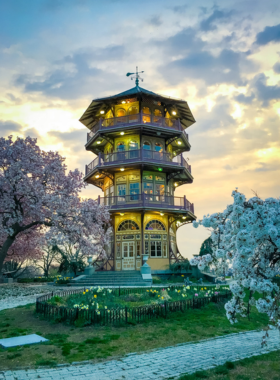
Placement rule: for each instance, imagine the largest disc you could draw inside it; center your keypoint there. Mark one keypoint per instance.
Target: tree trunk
(4, 250)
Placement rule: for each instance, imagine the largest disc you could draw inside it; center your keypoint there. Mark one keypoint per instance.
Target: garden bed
(125, 305)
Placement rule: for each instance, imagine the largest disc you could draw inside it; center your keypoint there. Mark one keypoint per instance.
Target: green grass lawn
(263, 367)
(69, 343)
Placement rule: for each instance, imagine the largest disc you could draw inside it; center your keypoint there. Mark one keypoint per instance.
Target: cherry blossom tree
(36, 192)
(246, 236)
(25, 249)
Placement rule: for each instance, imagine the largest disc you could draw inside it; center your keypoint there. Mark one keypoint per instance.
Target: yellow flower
(182, 275)
(147, 290)
(87, 290)
(205, 288)
(84, 293)
(95, 296)
(162, 298)
(158, 295)
(178, 291)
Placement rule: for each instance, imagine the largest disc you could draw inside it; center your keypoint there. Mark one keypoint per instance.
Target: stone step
(108, 284)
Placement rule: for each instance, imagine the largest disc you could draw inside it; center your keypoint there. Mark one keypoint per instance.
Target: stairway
(111, 278)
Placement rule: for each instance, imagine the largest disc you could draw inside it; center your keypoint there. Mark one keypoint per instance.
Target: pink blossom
(196, 294)
(37, 196)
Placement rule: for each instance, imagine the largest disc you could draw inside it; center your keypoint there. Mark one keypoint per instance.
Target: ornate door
(128, 255)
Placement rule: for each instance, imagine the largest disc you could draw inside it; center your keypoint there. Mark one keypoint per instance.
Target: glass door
(128, 255)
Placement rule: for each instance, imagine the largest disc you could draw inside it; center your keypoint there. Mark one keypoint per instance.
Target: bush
(35, 279)
(156, 280)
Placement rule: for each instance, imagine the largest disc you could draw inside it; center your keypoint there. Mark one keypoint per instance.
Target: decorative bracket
(172, 175)
(108, 139)
(107, 175)
(170, 141)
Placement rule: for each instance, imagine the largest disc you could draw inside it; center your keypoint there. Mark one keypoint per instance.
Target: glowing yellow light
(175, 184)
(97, 176)
(121, 214)
(161, 214)
(122, 133)
(179, 142)
(98, 142)
(174, 112)
(123, 102)
(122, 169)
(102, 112)
(184, 217)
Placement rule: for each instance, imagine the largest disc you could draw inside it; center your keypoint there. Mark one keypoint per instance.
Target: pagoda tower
(139, 138)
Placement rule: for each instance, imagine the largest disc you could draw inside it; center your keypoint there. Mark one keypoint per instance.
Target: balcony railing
(131, 156)
(140, 118)
(147, 200)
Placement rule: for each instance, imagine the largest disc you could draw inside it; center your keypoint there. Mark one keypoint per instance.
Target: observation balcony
(159, 202)
(143, 156)
(165, 127)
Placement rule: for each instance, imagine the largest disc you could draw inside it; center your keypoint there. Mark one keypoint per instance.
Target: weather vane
(137, 76)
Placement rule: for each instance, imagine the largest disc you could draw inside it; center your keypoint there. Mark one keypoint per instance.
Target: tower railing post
(99, 159)
(98, 199)
(185, 202)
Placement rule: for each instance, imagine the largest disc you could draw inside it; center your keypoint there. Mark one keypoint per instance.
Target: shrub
(157, 280)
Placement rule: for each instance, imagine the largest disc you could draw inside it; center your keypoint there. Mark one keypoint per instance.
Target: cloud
(72, 138)
(276, 68)
(210, 23)
(269, 34)
(57, 5)
(266, 167)
(180, 8)
(265, 93)
(12, 98)
(226, 67)
(76, 75)
(241, 98)
(9, 127)
(154, 21)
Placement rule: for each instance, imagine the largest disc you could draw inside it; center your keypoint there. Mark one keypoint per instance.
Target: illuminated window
(133, 110)
(146, 110)
(155, 225)
(128, 225)
(121, 147)
(120, 112)
(158, 147)
(157, 112)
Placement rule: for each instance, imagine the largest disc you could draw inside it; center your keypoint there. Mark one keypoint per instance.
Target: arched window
(146, 145)
(133, 110)
(146, 110)
(128, 225)
(120, 112)
(121, 146)
(158, 147)
(157, 115)
(157, 112)
(155, 225)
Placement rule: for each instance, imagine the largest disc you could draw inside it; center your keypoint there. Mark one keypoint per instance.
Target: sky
(223, 57)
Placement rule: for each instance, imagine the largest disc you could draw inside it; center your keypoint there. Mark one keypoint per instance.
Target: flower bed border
(122, 315)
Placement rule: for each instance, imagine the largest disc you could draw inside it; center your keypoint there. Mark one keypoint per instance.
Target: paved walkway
(162, 363)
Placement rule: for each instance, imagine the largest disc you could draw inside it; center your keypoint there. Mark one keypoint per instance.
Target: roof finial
(137, 76)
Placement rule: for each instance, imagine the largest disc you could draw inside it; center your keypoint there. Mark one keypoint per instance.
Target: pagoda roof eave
(186, 115)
